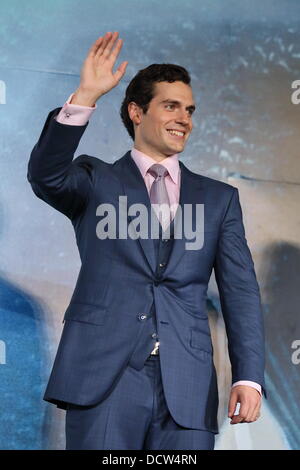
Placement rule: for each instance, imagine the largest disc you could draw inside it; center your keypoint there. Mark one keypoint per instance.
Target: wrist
(83, 98)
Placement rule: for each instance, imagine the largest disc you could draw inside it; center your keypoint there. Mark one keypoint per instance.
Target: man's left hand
(250, 403)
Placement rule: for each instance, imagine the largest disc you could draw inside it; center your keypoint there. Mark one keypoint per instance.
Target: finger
(116, 50)
(103, 45)
(110, 44)
(254, 407)
(232, 405)
(244, 411)
(253, 411)
(249, 415)
(240, 418)
(120, 71)
(95, 46)
(100, 45)
(256, 413)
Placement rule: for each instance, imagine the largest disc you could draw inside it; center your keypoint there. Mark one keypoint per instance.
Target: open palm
(97, 76)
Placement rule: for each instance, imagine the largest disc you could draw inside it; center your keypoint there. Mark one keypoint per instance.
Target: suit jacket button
(142, 316)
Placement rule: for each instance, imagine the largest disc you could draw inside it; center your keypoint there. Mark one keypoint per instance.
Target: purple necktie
(159, 194)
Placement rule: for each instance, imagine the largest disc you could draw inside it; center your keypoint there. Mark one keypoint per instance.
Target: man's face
(170, 110)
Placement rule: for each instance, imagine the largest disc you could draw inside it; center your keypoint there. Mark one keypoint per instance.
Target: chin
(178, 148)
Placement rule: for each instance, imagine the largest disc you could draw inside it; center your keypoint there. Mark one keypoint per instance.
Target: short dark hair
(141, 88)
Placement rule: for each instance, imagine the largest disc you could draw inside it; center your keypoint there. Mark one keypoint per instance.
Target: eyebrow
(191, 107)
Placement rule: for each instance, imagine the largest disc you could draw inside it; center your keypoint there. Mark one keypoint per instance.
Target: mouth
(176, 134)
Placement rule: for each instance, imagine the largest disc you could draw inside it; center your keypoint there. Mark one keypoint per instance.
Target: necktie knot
(158, 170)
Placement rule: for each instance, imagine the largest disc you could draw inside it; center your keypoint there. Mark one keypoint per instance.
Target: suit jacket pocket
(201, 340)
(86, 313)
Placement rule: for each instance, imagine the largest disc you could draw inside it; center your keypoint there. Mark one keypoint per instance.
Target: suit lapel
(190, 193)
(136, 191)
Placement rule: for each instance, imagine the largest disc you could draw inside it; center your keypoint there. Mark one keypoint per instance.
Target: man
(134, 367)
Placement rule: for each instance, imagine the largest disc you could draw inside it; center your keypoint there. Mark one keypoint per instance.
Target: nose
(183, 117)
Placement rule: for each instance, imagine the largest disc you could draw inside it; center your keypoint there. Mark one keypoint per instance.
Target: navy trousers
(134, 416)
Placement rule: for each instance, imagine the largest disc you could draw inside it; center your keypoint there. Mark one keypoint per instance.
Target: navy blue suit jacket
(117, 283)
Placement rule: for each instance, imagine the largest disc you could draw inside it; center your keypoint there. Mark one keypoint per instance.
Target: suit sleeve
(63, 183)
(240, 298)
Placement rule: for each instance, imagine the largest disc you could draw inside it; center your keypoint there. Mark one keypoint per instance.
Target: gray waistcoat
(148, 337)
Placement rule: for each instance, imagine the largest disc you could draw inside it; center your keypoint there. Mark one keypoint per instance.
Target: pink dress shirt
(77, 115)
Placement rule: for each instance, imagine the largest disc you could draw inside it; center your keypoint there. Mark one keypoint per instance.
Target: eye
(172, 105)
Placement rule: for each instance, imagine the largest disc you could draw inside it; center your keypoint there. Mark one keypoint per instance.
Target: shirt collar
(144, 162)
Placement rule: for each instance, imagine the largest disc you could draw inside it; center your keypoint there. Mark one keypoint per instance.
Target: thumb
(232, 404)
(120, 71)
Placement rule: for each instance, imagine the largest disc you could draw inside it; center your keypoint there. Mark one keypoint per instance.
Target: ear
(134, 112)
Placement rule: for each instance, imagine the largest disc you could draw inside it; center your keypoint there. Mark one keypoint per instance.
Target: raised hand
(97, 76)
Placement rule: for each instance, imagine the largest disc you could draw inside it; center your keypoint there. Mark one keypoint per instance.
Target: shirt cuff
(249, 383)
(75, 114)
